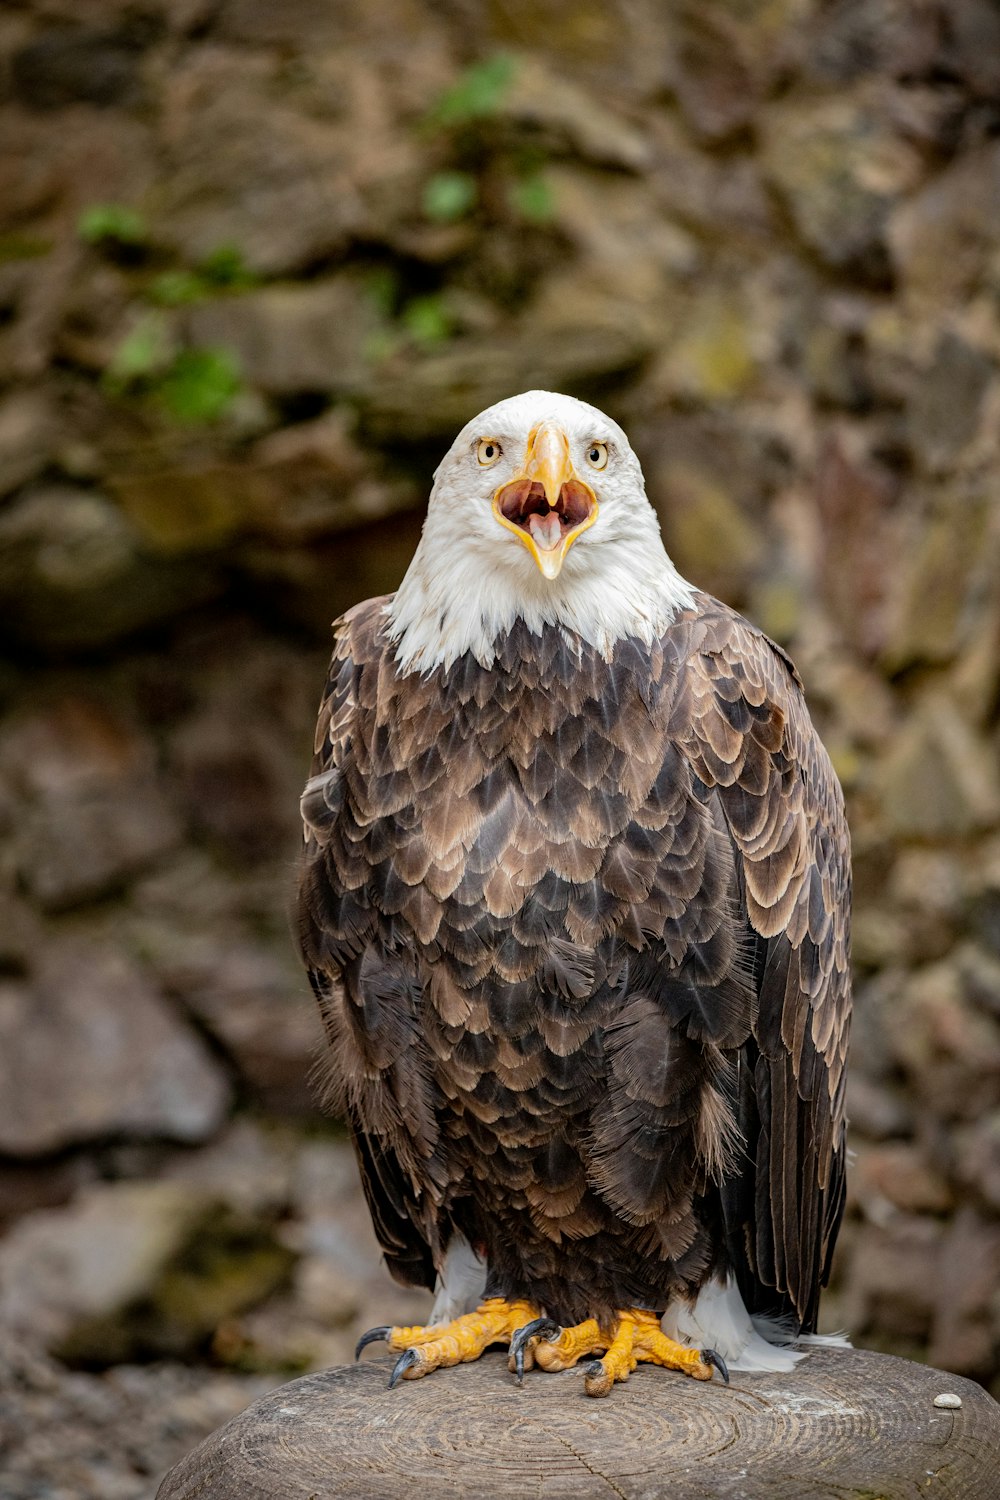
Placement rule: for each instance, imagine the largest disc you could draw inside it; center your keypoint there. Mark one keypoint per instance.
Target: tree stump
(846, 1424)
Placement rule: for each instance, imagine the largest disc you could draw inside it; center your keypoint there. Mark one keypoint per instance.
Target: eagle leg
(639, 1339)
(423, 1349)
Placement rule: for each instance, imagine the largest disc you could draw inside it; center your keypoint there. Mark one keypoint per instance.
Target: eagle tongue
(546, 530)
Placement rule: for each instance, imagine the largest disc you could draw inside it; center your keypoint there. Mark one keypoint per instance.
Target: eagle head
(538, 513)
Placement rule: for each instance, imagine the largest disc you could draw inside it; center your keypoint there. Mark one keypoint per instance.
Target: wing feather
(784, 814)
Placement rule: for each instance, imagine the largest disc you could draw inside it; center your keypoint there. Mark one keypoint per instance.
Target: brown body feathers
(579, 931)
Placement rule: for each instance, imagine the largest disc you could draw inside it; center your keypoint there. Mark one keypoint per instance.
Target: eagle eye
(488, 451)
(597, 455)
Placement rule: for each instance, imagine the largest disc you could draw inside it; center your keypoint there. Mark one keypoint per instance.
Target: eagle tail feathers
(718, 1319)
(461, 1282)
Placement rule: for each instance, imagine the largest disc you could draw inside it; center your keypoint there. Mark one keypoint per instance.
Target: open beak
(546, 506)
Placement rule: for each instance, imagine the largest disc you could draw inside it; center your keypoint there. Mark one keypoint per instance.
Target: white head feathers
(471, 579)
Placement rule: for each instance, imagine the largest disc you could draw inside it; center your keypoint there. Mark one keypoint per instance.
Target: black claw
(710, 1357)
(537, 1328)
(406, 1361)
(594, 1369)
(371, 1337)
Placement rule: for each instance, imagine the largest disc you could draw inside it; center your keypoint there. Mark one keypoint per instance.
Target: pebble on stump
(845, 1425)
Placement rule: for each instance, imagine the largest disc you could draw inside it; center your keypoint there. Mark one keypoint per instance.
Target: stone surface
(90, 1050)
(27, 438)
(90, 810)
(77, 575)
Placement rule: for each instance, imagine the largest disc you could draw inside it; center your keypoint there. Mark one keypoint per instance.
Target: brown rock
(929, 615)
(892, 1282)
(944, 412)
(290, 340)
(964, 1332)
(27, 437)
(255, 1004)
(938, 780)
(248, 171)
(943, 239)
(949, 1048)
(76, 574)
(839, 170)
(94, 813)
(977, 1150)
(899, 1176)
(88, 1049)
(136, 1270)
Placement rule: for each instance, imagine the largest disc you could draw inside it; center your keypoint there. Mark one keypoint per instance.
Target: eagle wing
(334, 927)
(739, 718)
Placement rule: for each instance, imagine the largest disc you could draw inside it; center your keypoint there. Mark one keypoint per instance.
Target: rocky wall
(257, 263)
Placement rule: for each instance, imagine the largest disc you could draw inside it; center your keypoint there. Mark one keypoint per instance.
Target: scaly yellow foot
(426, 1348)
(637, 1339)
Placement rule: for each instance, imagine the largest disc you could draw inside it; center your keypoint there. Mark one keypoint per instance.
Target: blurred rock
(892, 1283)
(27, 438)
(949, 1049)
(873, 1109)
(944, 411)
(136, 1270)
(855, 38)
(928, 618)
(76, 574)
(91, 810)
(84, 64)
(939, 780)
(943, 239)
(840, 171)
(290, 340)
(257, 1007)
(897, 1176)
(89, 1050)
(963, 1337)
(978, 1159)
(94, 1256)
(249, 171)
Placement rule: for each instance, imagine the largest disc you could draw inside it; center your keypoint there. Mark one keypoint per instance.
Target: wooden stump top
(846, 1423)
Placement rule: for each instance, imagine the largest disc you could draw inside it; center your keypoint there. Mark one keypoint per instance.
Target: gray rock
(96, 1255)
(88, 1049)
(92, 813)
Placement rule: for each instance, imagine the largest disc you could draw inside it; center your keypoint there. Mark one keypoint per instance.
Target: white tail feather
(718, 1320)
(461, 1282)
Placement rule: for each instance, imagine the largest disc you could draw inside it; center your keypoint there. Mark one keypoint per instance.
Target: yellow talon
(427, 1348)
(637, 1339)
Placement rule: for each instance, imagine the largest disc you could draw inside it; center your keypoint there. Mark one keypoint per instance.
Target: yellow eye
(597, 455)
(488, 450)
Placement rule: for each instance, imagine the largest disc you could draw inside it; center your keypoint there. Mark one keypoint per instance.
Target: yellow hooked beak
(547, 506)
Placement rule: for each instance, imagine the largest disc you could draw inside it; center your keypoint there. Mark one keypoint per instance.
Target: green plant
(531, 197)
(112, 222)
(426, 320)
(449, 196)
(200, 384)
(476, 94)
(144, 351)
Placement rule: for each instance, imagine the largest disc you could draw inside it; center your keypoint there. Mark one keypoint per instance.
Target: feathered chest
(517, 818)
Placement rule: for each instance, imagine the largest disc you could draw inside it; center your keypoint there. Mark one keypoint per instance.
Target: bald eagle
(575, 903)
